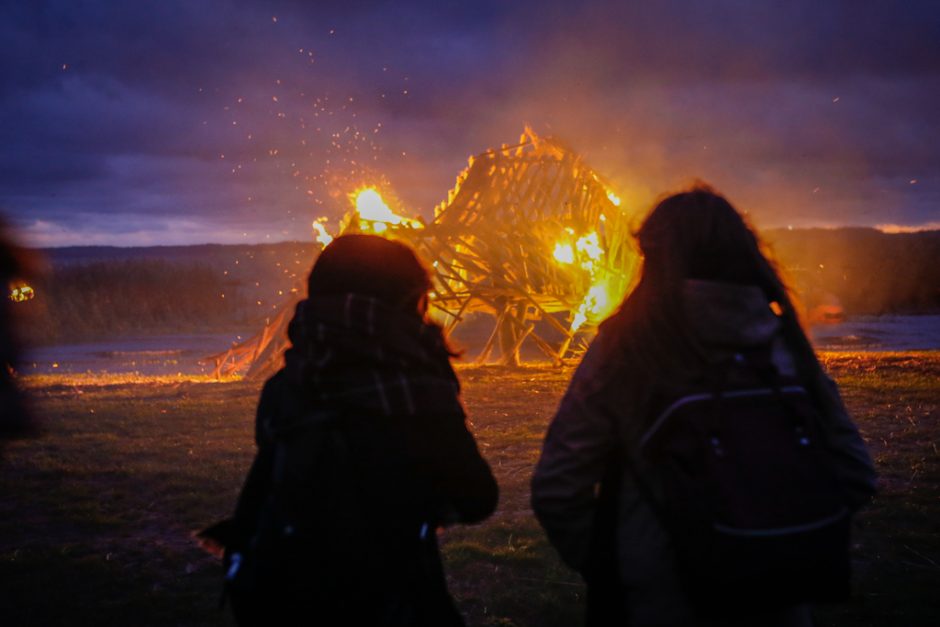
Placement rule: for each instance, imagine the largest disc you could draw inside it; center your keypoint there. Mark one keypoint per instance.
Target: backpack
(747, 491)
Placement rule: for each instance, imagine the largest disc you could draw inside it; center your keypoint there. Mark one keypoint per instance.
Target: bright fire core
(587, 254)
(375, 216)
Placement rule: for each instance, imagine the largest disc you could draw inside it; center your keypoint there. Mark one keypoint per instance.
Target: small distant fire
(21, 293)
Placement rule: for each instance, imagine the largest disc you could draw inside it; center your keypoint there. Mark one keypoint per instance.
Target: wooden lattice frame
(491, 243)
(490, 249)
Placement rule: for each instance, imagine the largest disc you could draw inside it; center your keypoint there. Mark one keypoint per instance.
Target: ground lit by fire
(102, 507)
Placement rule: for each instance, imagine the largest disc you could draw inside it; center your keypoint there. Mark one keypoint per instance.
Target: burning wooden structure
(530, 235)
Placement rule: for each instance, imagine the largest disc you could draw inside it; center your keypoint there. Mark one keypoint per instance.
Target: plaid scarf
(356, 351)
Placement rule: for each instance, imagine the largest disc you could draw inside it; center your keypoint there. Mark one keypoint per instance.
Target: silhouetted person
(15, 421)
(708, 303)
(362, 454)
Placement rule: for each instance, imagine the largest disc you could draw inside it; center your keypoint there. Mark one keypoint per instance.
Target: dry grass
(96, 516)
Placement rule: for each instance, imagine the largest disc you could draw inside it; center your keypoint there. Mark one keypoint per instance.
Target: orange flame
(322, 236)
(375, 216)
(589, 255)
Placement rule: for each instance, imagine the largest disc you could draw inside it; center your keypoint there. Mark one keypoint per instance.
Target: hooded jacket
(601, 417)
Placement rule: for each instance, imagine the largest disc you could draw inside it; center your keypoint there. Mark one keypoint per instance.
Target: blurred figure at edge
(14, 418)
(363, 452)
(706, 292)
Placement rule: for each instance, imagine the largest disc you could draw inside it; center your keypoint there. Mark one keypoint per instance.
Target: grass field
(96, 516)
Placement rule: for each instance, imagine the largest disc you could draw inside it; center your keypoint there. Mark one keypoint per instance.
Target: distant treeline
(863, 270)
(97, 292)
(95, 300)
(94, 292)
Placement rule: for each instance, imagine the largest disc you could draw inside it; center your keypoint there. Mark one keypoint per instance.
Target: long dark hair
(698, 234)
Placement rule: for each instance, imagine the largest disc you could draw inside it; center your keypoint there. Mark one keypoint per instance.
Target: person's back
(704, 301)
(362, 453)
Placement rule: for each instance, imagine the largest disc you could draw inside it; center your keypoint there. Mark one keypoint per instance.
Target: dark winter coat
(575, 492)
(375, 387)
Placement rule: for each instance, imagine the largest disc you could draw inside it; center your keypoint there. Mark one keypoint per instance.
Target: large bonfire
(529, 235)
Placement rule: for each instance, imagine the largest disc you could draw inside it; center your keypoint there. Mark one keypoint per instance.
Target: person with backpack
(702, 468)
(363, 453)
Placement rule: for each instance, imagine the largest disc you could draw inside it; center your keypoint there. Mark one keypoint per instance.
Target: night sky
(135, 123)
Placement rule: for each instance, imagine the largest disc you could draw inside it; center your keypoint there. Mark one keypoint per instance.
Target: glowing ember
(21, 293)
(613, 198)
(375, 215)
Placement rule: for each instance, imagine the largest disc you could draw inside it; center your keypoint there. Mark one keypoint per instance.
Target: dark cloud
(230, 119)
(681, 40)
